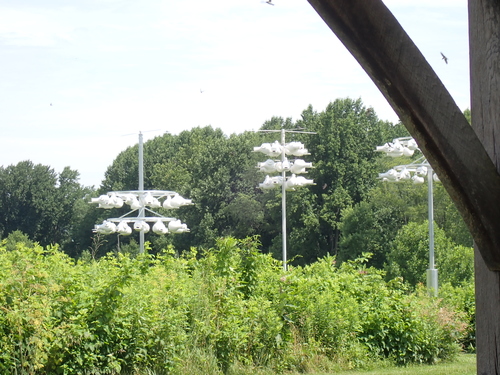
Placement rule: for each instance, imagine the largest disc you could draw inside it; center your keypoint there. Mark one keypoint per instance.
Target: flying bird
(444, 58)
(270, 2)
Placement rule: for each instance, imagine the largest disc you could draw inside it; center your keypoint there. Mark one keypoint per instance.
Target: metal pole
(432, 273)
(141, 190)
(283, 199)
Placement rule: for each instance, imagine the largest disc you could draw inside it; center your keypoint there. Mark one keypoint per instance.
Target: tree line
(348, 212)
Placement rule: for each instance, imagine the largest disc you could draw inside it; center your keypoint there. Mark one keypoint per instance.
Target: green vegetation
(352, 299)
(346, 213)
(228, 309)
(465, 364)
(46, 206)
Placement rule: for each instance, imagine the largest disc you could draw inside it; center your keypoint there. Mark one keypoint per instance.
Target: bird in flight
(444, 58)
(270, 2)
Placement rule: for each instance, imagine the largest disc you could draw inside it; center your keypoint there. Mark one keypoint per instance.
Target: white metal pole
(141, 191)
(283, 199)
(432, 272)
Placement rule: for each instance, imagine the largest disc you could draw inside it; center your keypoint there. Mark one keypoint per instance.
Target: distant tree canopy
(219, 174)
(347, 213)
(46, 206)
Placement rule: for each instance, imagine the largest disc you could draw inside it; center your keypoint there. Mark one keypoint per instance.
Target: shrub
(233, 306)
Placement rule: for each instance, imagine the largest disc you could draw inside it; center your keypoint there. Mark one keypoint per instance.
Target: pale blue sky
(116, 67)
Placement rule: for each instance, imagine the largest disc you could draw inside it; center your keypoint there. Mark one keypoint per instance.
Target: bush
(232, 305)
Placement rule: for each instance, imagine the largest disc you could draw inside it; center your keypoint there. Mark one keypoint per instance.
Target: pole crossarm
(378, 42)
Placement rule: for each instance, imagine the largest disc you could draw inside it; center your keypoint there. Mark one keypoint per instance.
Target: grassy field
(465, 364)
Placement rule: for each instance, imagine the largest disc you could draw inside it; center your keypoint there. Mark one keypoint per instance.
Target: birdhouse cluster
(284, 165)
(405, 146)
(142, 201)
(136, 200)
(415, 171)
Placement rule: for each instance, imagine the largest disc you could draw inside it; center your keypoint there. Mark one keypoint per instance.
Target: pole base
(432, 282)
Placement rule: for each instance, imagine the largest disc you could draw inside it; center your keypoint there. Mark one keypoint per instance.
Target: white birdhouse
(268, 166)
(128, 198)
(114, 201)
(272, 150)
(407, 151)
(123, 228)
(167, 203)
(141, 226)
(421, 171)
(160, 228)
(390, 175)
(418, 179)
(302, 181)
(176, 226)
(282, 166)
(108, 201)
(107, 227)
(178, 201)
(404, 174)
(296, 149)
(103, 199)
(148, 199)
(301, 152)
(297, 181)
(395, 152)
(132, 201)
(299, 166)
(276, 149)
(412, 144)
(291, 183)
(385, 148)
(293, 147)
(271, 182)
(265, 148)
(151, 201)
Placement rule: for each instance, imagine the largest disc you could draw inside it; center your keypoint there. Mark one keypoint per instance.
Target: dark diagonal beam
(391, 59)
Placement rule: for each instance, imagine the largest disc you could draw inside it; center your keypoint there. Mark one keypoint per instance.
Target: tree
(409, 256)
(15, 238)
(216, 171)
(42, 204)
(27, 200)
(371, 225)
(219, 174)
(344, 161)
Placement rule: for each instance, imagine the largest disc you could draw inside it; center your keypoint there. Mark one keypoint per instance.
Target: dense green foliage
(409, 256)
(346, 213)
(233, 306)
(46, 206)
(191, 310)
(219, 174)
(373, 224)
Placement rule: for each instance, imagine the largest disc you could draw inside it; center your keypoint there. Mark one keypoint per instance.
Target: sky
(80, 79)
